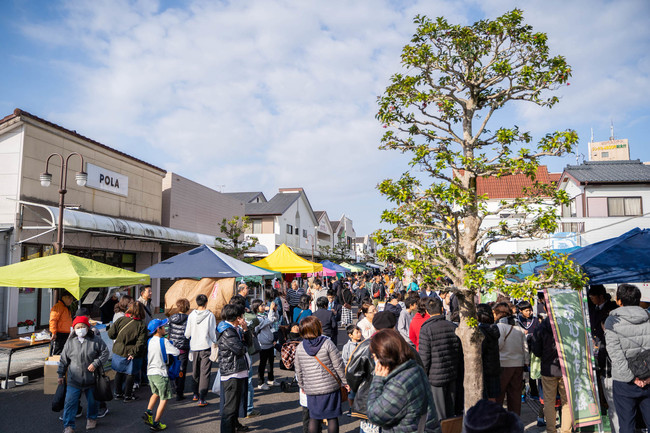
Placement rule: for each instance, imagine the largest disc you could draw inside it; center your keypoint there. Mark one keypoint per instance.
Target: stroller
(288, 355)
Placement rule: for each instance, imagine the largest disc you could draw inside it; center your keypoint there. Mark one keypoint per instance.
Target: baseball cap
(155, 324)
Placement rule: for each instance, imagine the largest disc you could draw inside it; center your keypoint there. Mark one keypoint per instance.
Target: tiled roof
(245, 197)
(20, 113)
(318, 214)
(276, 206)
(335, 225)
(633, 171)
(555, 177)
(509, 186)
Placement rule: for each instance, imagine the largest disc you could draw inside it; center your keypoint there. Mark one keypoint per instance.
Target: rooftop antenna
(611, 130)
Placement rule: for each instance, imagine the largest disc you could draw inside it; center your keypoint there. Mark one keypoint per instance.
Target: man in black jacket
(233, 364)
(552, 384)
(441, 354)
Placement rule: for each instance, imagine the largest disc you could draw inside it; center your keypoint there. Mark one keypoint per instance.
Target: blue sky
(258, 95)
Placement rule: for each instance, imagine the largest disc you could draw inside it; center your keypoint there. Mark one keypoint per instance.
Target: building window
(256, 226)
(304, 233)
(624, 206)
(570, 209)
(297, 232)
(289, 229)
(604, 155)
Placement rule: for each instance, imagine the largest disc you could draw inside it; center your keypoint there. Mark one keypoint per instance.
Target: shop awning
(333, 266)
(75, 220)
(65, 271)
(203, 262)
(286, 261)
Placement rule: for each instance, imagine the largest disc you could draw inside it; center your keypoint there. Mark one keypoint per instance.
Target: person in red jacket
(418, 320)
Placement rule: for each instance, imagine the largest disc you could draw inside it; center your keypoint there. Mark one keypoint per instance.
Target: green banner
(567, 315)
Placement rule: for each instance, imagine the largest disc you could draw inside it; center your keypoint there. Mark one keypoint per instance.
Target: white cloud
(263, 94)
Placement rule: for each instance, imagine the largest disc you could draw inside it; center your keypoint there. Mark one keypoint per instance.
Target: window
(297, 232)
(604, 155)
(624, 206)
(570, 209)
(256, 226)
(289, 229)
(304, 233)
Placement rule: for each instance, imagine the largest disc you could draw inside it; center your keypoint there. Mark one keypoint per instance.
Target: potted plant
(26, 327)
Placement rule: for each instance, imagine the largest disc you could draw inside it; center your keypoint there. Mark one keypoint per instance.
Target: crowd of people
(400, 370)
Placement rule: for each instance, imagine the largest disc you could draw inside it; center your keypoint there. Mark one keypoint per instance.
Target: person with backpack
(161, 387)
(267, 340)
(627, 334)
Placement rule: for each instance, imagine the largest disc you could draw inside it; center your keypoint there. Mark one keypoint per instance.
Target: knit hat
(489, 417)
(80, 319)
(384, 320)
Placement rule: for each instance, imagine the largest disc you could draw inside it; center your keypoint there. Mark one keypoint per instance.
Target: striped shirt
(293, 296)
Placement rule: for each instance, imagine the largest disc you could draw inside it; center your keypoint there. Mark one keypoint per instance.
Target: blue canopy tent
(204, 262)
(624, 259)
(534, 266)
(333, 266)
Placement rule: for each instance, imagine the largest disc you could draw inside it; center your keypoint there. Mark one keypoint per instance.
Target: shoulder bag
(344, 390)
(639, 364)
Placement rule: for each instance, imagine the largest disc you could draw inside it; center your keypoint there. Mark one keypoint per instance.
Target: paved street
(25, 409)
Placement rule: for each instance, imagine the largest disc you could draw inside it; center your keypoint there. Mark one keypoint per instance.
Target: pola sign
(107, 180)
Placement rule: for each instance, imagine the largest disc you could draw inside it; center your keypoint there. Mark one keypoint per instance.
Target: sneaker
(148, 418)
(136, 386)
(130, 398)
(263, 387)
(91, 424)
(242, 428)
(68, 430)
(195, 397)
(273, 383)
(253, 413)
(118, 396)
(541, 422)
(102, 412)
(203, 403)
(158, 426)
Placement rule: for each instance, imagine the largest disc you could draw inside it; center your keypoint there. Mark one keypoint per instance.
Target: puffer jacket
(313, 379)
(77, 356)
(359, 373)
(490, 350)
(232, 349)
(177, 324)
(130, 337)
(627, 332)
(440, 350)
(398, 401)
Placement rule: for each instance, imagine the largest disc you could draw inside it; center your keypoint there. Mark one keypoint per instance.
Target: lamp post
(46, 179)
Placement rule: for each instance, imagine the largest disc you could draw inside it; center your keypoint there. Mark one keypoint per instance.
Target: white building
(324, 232)
(366, 248)
(344, 232)
(287, 218)
(608, 198)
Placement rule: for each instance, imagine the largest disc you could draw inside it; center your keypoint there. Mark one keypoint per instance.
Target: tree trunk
(471, 339)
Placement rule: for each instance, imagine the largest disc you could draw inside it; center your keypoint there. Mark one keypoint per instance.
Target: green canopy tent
(354, 267)
(260, 278)
(65, 271)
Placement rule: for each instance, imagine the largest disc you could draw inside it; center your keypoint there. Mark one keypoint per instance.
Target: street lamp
(46, 179)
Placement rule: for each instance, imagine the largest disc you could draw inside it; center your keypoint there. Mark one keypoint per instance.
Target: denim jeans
(72, 397)
(251, 391)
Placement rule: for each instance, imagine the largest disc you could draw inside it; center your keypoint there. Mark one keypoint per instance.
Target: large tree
(234, 244)
(441, 111)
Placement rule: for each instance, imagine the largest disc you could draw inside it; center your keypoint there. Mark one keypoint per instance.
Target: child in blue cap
(159, 382)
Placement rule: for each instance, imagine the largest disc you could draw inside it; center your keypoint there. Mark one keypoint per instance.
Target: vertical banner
(567, 316)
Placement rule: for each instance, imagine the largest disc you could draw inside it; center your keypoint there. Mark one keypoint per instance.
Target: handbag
(173, 363)
(58, 401)
(103, 390)
(344, 390)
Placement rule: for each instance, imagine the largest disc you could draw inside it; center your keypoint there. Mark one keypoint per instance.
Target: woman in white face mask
(83, 353)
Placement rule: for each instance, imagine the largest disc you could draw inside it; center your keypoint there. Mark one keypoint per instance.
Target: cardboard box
(50, 376)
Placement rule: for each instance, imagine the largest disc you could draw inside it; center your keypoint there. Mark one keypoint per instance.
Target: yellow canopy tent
(286, 261)
(65, 271)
